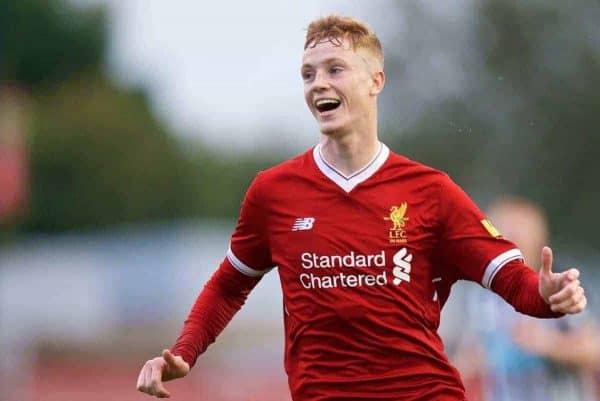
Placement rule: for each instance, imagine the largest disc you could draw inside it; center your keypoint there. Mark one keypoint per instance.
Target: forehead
(328, 49)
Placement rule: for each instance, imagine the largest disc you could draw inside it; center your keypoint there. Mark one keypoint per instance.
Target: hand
(160, 369)
(562, 291)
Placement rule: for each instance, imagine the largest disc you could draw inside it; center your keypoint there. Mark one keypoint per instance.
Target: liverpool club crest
(397, 233)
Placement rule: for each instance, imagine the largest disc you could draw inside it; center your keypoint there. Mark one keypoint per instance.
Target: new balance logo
(401, 269)
(303, 223)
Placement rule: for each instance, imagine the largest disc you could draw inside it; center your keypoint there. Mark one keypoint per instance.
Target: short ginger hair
(336, 28)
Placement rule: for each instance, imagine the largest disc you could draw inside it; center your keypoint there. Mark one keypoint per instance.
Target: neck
(350, 151)
(349, 154)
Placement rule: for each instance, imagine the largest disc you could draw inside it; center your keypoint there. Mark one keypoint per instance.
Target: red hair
(336, 28)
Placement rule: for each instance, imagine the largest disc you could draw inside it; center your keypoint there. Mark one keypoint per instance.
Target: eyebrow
(330, 60)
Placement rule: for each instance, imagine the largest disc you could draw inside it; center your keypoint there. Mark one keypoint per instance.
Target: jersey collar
(348, 182)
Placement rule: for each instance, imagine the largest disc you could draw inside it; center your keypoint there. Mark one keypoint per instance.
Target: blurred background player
(506, 356)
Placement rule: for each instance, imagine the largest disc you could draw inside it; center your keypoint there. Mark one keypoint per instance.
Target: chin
(328, 131)
(332, 129)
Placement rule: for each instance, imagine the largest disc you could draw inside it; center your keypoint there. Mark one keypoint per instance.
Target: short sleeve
(469, 242)
(249, 250)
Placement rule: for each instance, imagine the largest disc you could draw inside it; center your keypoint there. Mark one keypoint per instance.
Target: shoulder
(407, 169)
(295, 166)
(284, 174)
(429, 183)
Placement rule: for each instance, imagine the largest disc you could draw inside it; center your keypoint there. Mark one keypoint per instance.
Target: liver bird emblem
(397, 216)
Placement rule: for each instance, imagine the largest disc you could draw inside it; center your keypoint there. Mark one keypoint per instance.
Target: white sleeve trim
(498, 263)
(244, 268)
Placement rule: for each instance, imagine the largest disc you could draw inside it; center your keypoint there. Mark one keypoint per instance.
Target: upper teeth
(322, 102)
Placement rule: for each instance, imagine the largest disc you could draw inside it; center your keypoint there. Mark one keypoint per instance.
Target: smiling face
(341, 85)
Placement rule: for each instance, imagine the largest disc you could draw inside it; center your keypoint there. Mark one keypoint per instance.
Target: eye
(307, 75)
(336, 69)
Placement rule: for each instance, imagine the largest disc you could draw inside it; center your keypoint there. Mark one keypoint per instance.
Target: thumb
(546, 261)
(175, 364)
(169, 358)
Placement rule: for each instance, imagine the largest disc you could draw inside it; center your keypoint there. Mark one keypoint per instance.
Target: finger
(571, 274)
(573, 308)
(161, 392)
(546, 260)
(140, 379)
(566, 305)
(580, 307)
(158, 388)
(147, 378)
(565, 293)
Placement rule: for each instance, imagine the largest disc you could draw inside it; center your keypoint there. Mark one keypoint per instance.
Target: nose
(320, 81)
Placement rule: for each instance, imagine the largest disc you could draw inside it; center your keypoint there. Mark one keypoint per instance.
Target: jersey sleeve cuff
(244, 268)
(498, 263)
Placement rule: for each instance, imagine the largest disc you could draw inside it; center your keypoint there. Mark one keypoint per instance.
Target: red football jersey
(366, 263)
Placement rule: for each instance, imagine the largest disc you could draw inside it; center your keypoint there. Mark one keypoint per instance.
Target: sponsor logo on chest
(354, 269)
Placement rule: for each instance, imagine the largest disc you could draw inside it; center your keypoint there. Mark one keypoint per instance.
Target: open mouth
(323, 105)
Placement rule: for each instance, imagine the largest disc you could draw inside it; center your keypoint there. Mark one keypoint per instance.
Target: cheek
(355, 96)
(357, 89)
(306, 98)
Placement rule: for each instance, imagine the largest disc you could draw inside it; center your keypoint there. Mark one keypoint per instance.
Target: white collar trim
(348, 182)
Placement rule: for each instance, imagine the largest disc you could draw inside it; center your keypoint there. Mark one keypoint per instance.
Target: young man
(367, 244)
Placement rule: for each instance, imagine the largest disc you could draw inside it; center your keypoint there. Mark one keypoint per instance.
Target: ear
(377, 83)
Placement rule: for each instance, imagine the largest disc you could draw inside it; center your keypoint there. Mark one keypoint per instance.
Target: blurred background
(129, 131)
